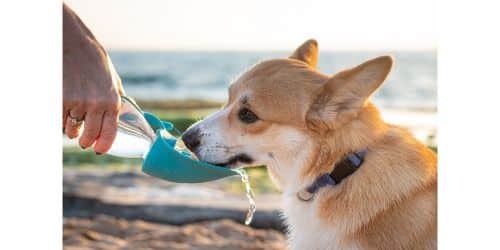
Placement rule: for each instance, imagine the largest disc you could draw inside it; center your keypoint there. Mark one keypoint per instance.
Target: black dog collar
(347, 166)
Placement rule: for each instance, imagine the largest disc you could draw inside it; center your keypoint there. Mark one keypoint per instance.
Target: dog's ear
(344, 94)
(307, 52)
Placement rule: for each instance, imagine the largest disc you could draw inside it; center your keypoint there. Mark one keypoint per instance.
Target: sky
(259, 25)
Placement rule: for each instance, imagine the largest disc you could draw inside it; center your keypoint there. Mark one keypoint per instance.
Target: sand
(106, 232)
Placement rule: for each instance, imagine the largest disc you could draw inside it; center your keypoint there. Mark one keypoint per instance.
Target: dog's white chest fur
(306, 230)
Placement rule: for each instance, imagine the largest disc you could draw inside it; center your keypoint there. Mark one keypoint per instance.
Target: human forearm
(75, 32)
(91, 86)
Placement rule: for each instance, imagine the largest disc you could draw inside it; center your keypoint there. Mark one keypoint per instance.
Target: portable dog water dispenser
(143, 135)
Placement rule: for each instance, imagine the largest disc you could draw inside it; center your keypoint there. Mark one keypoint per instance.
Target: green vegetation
(77, 157)
(189, 104)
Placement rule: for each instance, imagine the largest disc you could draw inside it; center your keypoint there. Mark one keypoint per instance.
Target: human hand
(91, 88)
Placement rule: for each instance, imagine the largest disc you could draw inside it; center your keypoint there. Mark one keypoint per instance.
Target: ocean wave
(144, 79)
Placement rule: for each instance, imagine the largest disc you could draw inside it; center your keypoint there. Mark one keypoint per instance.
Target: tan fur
(307, 122)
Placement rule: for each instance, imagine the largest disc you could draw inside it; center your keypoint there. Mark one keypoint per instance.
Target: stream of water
(249, 194)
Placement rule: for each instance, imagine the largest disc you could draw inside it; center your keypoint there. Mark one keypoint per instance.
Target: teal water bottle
(134, 136)
(143, 135)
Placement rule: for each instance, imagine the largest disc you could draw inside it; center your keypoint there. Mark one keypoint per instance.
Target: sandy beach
(107, 232)
(109, 209)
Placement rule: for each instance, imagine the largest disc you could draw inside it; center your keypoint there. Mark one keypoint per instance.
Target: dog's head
(280, 109)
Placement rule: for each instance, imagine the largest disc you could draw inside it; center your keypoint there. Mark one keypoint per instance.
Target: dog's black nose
(191, 139)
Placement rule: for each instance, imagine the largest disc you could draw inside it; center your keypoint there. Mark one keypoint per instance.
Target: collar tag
(307, 194)
(304, 195)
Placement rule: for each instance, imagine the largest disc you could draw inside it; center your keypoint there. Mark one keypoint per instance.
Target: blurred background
(177, 58)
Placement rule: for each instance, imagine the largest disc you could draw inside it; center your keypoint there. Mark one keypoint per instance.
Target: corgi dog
(348, 179)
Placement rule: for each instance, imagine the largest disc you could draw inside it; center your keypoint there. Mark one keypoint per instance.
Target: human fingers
(93, 124)
(73, 123)
(108, 132)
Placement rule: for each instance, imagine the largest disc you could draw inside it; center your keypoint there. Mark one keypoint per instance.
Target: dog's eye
(247, 116)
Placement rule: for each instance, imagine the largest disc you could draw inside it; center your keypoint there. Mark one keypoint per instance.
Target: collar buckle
(342, 169)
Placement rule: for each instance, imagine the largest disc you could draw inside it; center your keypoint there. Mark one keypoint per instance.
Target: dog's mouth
(239, 158)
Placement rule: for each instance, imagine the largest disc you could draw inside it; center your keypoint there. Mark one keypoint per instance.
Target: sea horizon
(205, 75)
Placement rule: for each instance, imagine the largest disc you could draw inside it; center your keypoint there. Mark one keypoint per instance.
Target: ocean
(206, 75)
(408, 97)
